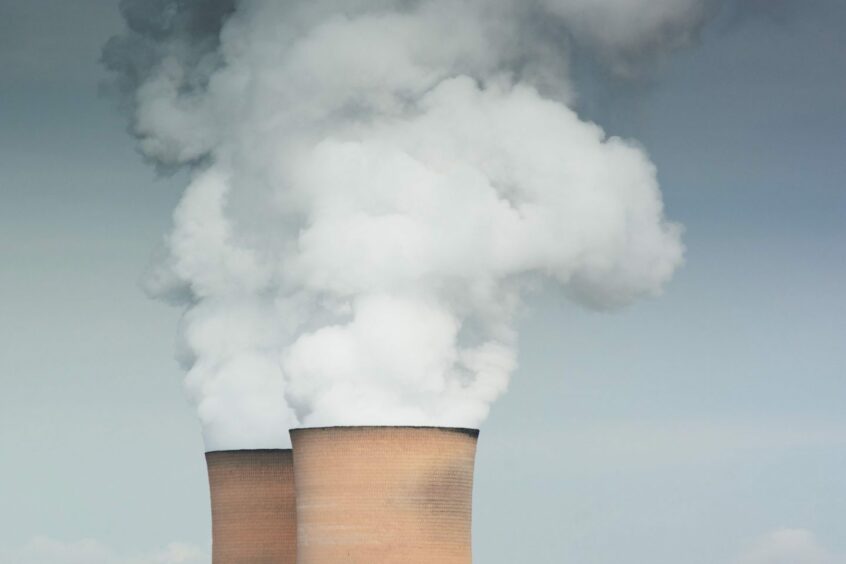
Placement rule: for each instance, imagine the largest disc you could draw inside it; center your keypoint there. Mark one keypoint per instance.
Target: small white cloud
(789, 546)
(181, 553)
(43, 550)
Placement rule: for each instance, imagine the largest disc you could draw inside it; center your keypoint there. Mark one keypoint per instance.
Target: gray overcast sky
(691, 428)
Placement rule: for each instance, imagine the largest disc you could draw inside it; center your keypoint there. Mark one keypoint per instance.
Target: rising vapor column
(379, 495)
(254, 517)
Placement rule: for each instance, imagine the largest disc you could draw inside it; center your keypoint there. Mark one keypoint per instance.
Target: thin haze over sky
(703, 427)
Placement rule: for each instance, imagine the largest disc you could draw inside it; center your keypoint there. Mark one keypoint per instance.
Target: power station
(357, 495)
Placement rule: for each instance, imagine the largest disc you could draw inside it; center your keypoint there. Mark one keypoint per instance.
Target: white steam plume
(374, 183)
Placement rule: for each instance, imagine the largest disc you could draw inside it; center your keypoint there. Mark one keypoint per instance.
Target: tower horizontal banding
(378, 495)
(253, 508)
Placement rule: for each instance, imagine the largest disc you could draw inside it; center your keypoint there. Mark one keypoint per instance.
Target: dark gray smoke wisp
(184, 34)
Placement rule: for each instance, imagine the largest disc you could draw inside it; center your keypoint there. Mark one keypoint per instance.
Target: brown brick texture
(384, 495)
(253, 508)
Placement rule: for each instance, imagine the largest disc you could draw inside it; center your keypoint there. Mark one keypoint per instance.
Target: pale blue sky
(677, 431)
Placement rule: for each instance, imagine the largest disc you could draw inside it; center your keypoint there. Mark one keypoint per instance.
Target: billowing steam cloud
(374, 185)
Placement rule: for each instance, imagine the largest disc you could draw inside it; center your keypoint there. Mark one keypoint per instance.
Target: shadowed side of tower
(379, 495)
(253, 507)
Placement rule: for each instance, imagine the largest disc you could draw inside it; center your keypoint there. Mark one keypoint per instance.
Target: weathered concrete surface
(378, 495)
(253, 508)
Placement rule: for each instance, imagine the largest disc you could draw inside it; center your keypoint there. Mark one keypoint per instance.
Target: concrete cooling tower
(379, 495)
(252, 505)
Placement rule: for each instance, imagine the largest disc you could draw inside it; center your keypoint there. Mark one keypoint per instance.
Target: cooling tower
(252, 504)
(379, 495)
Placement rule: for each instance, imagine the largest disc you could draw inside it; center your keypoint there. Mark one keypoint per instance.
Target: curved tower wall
(253, 508)
(379, 495)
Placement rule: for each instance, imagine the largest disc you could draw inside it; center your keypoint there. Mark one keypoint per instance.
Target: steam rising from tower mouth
(372, 185)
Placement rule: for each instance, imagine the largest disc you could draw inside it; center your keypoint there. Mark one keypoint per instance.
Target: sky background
(703, 427)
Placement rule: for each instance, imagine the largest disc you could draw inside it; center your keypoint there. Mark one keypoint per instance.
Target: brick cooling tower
(252, 505)
(379, 495)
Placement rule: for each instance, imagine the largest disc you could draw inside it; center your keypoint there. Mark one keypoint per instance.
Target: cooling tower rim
(473, 433)
(249, 451)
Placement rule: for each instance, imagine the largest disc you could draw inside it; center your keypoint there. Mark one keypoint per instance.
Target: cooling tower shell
(378, 495)
(253, 508)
